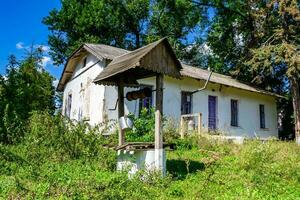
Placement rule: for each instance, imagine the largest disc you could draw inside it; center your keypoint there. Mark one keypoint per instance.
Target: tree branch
(219, 6)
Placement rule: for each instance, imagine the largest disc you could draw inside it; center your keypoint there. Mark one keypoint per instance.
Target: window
(186, 102)
(212, 113)
(84, 62)
(262, 116)
(234, 112)
(147, 101)
(69, 103)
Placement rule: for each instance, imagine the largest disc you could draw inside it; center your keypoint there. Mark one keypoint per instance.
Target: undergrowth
(67, 160)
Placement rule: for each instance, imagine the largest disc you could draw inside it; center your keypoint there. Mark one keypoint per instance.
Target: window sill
(264, 129)
(236, 127)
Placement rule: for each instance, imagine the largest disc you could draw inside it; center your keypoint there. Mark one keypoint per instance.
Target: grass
(198, 169)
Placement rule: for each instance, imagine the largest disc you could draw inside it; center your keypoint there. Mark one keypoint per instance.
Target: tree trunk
(137, 40)
(296, 106)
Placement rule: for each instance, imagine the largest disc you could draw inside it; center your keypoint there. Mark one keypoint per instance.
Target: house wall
(248, 106)
(98, 102)
(86, 96)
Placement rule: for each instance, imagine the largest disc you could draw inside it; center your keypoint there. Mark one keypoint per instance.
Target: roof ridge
(154, 44)
(107, 46)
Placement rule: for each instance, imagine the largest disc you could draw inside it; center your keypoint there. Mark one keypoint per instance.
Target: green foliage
(56, 137)
(208, 170)
(144, 124)
(26, 87)
(128, 24)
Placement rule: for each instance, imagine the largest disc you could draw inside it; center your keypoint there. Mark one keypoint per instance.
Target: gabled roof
(118, 56)
(157, 57)
(104, 51)
(201, 74)
(100, 51)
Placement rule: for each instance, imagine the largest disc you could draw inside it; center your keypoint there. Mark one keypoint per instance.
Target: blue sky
(21, 26)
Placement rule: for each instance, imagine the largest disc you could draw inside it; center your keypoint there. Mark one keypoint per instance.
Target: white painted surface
(88, 97)
(142, 159)
(103, 98)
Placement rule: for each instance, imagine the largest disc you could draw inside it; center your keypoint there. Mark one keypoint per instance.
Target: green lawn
(196, 170)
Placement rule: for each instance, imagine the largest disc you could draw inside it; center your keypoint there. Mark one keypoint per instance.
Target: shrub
(55, 137)
(144, 126)
(143, 130)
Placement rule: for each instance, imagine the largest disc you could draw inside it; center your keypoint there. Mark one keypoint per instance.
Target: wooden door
(212, 112)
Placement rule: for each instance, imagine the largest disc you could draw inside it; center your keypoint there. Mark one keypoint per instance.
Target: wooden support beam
(199, 123)
(121, 111)
(182, 127)
(159, 111)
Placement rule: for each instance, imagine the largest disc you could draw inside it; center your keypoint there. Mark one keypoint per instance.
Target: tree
(278, 26)
(127, 24)
(236, 28)
(26, 87)
(117, 23)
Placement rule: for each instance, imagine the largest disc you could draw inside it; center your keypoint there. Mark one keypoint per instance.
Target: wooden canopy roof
(157, 57)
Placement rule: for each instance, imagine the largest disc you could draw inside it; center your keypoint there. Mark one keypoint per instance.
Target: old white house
(227, 105)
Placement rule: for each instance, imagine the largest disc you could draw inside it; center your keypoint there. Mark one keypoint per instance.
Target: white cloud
(43, 47)
(20, 45)
(45, 61)
(55, 83)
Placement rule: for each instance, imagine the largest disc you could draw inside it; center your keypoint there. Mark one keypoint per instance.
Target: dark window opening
(146, 102)
(212, 113)
(234, 112)
(84, 61)
(68, 106)
(186, 102)
(262, 116)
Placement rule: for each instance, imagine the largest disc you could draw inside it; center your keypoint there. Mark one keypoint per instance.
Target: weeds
(59, 159)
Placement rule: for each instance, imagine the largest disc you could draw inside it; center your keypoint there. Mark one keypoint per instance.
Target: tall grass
(60, 159)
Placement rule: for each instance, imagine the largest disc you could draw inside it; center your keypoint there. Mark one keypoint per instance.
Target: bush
(55, 137)
(144, 126)
(143, 130)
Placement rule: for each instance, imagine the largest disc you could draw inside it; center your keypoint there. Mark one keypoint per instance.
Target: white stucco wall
(93, 95)
(103, 99)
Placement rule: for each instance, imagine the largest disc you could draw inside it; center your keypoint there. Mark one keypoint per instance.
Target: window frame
(262, 116)
(69, 105)
(187, 93)
(234, 114)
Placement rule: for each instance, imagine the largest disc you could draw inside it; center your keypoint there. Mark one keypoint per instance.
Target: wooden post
(160, 164)
(199, 123)
(182, 127)
(121, 111)
(159, 111)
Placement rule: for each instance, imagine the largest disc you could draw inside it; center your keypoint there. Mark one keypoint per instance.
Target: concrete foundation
(142, 159)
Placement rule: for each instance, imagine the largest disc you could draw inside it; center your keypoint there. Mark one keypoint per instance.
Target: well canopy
(155, 58)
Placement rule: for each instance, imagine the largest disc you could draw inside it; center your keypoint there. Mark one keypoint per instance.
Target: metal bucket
(125, 123)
